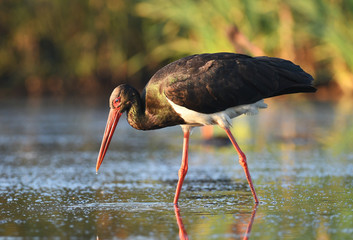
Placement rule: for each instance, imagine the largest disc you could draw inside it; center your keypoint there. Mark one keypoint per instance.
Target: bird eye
(116, 102)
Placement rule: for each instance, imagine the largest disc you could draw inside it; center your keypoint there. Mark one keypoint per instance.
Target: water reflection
(236, 230)
(183, 235)
(108, 227)
(251, 221)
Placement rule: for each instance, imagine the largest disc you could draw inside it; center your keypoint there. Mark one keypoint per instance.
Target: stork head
(120, 101)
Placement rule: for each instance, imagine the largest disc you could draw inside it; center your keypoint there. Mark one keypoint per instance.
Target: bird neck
(147, 113)
(136, 116)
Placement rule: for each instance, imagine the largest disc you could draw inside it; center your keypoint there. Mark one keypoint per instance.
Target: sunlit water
(300, 156)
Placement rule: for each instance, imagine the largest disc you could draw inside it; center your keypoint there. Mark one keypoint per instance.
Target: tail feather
(293, 78)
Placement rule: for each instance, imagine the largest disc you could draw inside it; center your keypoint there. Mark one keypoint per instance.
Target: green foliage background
(60, 47)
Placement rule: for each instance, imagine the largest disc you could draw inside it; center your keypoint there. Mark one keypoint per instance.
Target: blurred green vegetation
(60, 47)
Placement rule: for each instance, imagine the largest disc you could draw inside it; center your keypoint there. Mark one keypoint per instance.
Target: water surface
(299, 154)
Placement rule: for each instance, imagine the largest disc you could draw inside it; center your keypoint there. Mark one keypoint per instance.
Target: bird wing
(210, 83)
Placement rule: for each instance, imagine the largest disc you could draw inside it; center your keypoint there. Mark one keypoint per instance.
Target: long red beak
(113, 120)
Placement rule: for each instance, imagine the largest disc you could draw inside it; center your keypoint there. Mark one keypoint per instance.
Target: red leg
(243, 163)
(184, 164)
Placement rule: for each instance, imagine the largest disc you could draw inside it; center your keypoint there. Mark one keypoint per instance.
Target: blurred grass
(87, 47)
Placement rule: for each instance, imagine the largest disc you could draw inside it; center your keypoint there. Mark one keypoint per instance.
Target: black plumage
(210, 83)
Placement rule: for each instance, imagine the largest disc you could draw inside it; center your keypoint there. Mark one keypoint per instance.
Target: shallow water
(300, 156)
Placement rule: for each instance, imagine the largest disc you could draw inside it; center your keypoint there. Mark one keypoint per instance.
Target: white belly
(222, 118)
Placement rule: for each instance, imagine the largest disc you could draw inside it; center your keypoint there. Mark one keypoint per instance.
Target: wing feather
(210, 83)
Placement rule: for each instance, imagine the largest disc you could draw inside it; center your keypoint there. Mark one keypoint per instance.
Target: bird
(204, 89)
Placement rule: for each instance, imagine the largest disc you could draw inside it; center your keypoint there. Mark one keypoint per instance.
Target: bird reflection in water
(248, 229)
(183, 235)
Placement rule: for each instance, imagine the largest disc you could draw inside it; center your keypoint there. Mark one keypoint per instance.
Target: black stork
(205, 89)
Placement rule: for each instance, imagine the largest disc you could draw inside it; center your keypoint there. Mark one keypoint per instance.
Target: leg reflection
(248, 229)
(182, 233)
(184, 236)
